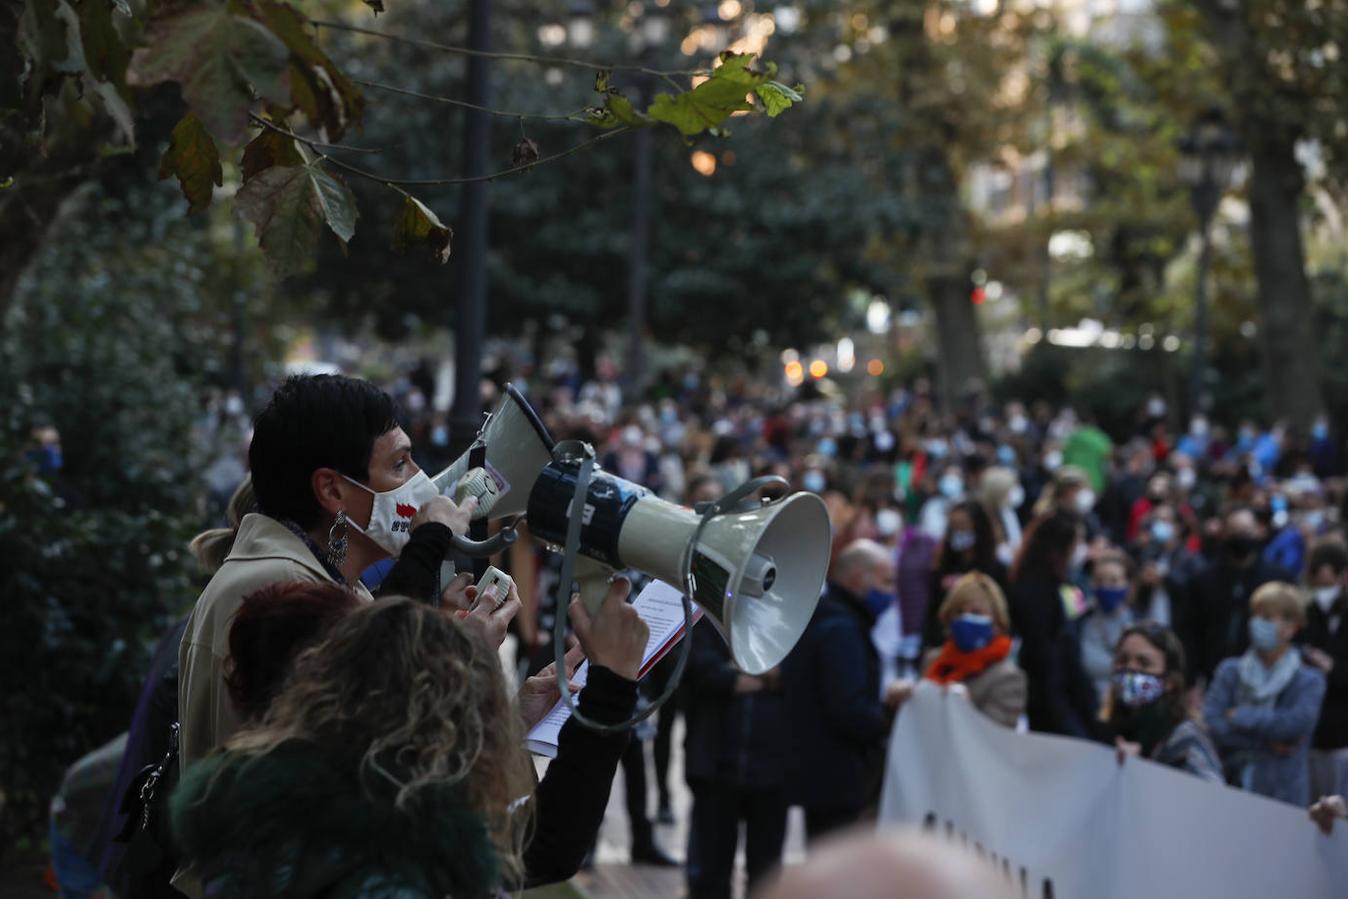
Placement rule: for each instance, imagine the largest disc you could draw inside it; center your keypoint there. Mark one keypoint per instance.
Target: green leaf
(268, 149)
(777, 97)
(603, 82)
(192, 156)
(220, 60)
(708, 105)
(104, 53)
(289, 205)
(295, 31)
(418, 224)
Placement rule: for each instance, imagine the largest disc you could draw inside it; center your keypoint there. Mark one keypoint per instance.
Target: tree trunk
(960, 366)
(1292, 389)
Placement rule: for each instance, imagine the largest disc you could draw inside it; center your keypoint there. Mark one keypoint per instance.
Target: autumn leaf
(708, 105)
(289, 206)
(268, 149)
(192, 156)
(777, 97)
(220, 60)
(418, 224)
(295, 32)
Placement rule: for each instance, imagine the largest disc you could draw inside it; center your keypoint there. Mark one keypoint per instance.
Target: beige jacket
(265, 552)
(999, 691)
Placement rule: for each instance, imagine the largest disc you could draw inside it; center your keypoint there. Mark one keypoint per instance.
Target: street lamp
(1209, 154)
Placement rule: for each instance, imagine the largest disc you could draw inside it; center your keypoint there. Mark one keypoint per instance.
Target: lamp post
(648, 35)
(1208, 157)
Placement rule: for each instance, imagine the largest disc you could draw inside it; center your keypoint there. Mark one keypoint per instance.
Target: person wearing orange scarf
(977, 650)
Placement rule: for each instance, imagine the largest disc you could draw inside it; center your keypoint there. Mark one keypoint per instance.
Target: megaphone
(757, 569)
(757, 573)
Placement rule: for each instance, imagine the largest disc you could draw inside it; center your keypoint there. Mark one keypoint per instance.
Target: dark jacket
(299, 822)
(1332, 730)
(1061, 699)
(297, 819)
(1214, 623)
(733, 740)
(835, 720)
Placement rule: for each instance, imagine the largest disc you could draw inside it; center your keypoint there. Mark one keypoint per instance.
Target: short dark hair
(1327, 552)
(313, 422)
(270, 629)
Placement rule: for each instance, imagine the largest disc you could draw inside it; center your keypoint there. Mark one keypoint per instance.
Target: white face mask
(1085, 500)
(1079, 557)
(1325, 597)
(391, 513)
(1016, 498)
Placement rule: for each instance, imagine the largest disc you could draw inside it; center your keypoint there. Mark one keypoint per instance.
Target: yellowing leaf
(270, 148)
(714, 100)
(418, 224)
(192, 156)
(289, 205)
(219, 59)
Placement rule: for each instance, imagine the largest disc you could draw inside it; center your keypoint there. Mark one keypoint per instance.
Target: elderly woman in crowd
(1144, 704)
(977, 651)
(1262, 707)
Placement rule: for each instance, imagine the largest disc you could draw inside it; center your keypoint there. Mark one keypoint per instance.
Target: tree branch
(519, 57)
(430, 182)
(577, 116)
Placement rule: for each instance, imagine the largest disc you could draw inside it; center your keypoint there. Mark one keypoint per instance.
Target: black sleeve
(417, 571)
(571, 798)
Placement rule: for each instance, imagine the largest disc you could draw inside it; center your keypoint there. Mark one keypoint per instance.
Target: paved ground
(614, 877)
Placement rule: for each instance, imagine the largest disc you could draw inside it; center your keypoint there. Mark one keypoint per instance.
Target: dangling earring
(337, 540)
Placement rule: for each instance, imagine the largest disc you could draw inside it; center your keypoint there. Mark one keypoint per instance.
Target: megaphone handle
(481, 549)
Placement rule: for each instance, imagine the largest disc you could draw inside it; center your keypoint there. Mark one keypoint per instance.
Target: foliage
(244, 64)
(111, 336)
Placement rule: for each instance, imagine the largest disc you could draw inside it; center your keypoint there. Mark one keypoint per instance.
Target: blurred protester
(1216, 620)
(1144, 708)
(889, 865)
(1002, 495)
(1165, 567)
(1043, 607)
(735, 763)
(631, 459)
(73, 822)
(977, 651)
(1262, 706)
(835, 714)
(1326, 649)
(1070, 491)
(950, 488)
(1088, 448)
(1127, 487)
(1110, 615)
(970, 544)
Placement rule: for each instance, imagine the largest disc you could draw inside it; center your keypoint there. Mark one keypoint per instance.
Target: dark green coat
(297, 823)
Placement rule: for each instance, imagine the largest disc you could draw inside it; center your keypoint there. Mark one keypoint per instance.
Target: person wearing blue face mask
(1263, 706)
(977, 652)
(1109, 616)
(970, 544)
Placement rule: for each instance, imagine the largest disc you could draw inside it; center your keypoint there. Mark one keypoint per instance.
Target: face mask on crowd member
(1084, 501)
(1277, 612)
(888, 522)
(951, 485)
(1109, 580)
(1241, 545)
(391, 511)
(814, 481)
(1142, 705)
(974, 612)
(1326, 571)
(1162, 531)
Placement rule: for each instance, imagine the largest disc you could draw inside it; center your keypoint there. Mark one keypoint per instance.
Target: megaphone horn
(757, 574)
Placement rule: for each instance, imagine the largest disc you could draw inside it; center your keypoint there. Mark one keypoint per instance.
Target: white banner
(1060, 818)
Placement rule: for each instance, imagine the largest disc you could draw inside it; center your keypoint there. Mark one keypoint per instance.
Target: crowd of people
(1179, 596)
